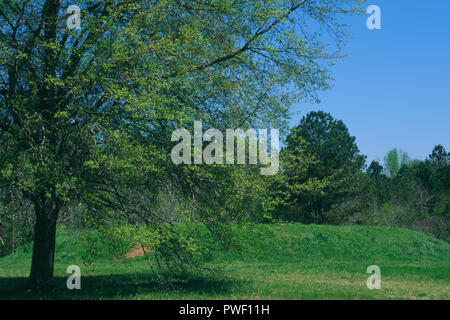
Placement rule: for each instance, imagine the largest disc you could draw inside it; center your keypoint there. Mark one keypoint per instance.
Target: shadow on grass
(130, 286)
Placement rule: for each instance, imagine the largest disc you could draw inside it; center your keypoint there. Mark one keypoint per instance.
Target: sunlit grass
(276, 262)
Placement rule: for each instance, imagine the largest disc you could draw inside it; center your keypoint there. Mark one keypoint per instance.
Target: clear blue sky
(393, 88)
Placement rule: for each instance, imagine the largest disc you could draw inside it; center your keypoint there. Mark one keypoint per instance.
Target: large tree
(322, 168)
(87, 113)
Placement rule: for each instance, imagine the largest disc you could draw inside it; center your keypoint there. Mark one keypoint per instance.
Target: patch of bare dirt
(136, 252)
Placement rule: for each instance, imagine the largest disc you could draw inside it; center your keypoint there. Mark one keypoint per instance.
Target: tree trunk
(41, 275)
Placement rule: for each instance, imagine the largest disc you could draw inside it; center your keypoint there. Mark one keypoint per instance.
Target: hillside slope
(269, 243)
(283, 261)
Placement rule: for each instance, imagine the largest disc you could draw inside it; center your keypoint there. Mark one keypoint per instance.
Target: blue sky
(393, 88)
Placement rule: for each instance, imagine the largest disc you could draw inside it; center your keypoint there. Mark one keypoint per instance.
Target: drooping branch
(245, 47)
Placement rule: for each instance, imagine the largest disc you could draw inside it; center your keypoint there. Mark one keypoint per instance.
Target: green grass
(288, 261)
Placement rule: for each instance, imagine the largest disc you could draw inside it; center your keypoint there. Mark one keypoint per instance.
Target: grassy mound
(289, 261)
(268, 243)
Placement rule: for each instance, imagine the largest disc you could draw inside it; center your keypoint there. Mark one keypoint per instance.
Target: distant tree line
(325, 180)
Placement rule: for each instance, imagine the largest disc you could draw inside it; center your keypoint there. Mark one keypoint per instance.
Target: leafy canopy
(86, 114)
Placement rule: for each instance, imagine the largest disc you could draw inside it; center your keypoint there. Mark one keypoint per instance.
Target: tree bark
(41, 275)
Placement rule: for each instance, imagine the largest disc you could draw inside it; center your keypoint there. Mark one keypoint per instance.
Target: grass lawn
(289, 261)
